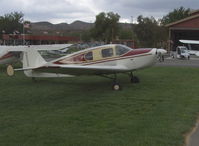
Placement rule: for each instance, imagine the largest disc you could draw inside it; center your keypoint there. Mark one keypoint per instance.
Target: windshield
(183, 50)
(121, 49)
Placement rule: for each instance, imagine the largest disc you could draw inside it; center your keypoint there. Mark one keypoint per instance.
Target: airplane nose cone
(161, 51)
(154, 51)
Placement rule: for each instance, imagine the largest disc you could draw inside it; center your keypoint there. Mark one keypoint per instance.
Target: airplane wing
(50, 47)
(94, 68)
(77, 69)
(37, 47)
(197, 54)
(189, 41)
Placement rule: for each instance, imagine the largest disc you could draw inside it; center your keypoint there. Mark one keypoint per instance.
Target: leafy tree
(126, 34)
(106, 26)
(175, 15)
(12, 22)
(86, 36)
(148, 32)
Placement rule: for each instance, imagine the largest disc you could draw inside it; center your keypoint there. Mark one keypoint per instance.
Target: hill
(39, 27)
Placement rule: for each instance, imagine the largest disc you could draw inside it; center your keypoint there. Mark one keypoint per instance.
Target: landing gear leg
(116, 86)
(134, 79)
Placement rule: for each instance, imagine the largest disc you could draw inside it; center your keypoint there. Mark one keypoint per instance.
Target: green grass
(85, 111)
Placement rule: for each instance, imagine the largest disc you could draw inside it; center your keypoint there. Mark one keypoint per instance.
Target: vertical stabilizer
(32, 58)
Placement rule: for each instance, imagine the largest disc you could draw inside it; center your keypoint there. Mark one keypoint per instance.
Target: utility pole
(26, 25)
(23, 34)
(131, 19)
(3, 32)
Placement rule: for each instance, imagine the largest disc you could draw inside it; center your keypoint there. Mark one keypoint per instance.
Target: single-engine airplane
(191, 42)
(102, 60)
(11, 54)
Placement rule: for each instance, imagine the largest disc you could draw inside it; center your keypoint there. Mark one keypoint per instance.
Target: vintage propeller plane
(103, 61)
(192, 42)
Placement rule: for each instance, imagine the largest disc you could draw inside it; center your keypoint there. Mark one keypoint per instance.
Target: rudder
(32, 58)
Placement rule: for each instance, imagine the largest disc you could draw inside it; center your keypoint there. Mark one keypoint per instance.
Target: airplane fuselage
(108, 55)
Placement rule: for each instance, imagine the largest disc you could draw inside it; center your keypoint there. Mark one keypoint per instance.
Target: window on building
(107, 52)
(120, 50)
(89, 56)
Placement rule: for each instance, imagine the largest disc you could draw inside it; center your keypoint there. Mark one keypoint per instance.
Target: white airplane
(102, 60)
(11, 54)
(189, 42)
(181, 53)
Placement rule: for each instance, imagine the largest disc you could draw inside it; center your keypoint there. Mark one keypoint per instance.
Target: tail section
(32, 59)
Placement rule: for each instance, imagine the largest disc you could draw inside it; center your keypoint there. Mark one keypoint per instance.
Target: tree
(11, 22)
(86, 36)
(148, 32)
(126, 34)
(175, 15)
(106, 26)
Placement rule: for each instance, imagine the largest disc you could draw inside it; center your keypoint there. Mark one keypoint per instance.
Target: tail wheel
(10, 70)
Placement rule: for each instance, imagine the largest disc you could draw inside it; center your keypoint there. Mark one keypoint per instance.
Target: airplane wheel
(135, 79)
(116, 87)
(10, 70)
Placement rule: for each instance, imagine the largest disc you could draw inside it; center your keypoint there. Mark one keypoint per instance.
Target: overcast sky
(67, 11)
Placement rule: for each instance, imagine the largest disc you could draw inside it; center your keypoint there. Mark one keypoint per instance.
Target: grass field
(85, 111)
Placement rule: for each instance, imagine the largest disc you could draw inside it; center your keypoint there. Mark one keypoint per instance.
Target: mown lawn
(85, 111)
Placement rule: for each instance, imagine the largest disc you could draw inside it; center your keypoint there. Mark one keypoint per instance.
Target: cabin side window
(120, 50)
(89, 56)
(107, 52)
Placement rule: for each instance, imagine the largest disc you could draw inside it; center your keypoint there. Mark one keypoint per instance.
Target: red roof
(189, 22)
(195, 12)
(40, 37)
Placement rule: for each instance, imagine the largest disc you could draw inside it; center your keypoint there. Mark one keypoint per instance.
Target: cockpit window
(120, 50)
(107, 52)
(89, 56)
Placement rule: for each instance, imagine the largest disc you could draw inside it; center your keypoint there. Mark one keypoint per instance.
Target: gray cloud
(85, 10)
(156, 8)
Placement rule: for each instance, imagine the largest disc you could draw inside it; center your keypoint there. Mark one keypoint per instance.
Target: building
(187, 28)
(13, 39)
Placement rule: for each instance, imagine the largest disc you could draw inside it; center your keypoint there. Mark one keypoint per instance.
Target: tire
(116, 87)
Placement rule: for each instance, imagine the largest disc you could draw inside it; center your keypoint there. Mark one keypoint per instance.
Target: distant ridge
(75, 26)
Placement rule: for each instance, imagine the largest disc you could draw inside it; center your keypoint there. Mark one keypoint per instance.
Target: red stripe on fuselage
(115, 58)
(130, 54)
(136, 52)
(6, 56)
